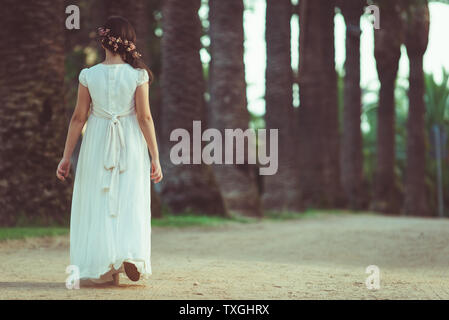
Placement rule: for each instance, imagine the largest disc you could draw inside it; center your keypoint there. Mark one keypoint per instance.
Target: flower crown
(115, 42)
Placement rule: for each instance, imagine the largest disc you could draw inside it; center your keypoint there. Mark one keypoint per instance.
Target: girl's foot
(131, 271)
(116, 279)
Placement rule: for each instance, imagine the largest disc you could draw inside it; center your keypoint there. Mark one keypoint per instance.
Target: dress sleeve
(83, 77)
(143, 77)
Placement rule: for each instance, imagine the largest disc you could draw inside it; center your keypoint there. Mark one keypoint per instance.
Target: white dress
(110, 214)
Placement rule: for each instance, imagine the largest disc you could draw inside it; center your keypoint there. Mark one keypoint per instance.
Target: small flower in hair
(102, 31)
(136, 54)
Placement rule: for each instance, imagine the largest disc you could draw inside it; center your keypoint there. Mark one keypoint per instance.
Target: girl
(110, 226)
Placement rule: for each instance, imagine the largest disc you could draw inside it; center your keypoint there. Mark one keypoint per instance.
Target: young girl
(110, 227)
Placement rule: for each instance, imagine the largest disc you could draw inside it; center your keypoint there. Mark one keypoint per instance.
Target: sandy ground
(314, 258)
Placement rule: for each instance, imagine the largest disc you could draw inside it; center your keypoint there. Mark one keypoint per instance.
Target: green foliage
(437, 99)
(256, 121)
(187, 220)
(309, 213)
(369, 129)
(29, 232)
(369, 136)
(340, 95)
(437, 104)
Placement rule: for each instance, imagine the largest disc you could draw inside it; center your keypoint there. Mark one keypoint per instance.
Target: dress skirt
(101, 242)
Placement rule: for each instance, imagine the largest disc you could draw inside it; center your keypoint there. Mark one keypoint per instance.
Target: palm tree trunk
(387, 51)
(185, 187)
(318, 111)
(32, 117)
(417, 36)
(330, 107)
(282, 191)
(227, 107)
(154, 6)
(351, 147)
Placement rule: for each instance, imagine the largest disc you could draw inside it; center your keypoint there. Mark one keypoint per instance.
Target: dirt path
(317, 258)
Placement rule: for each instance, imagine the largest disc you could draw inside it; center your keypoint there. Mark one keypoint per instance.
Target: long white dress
(110, 214)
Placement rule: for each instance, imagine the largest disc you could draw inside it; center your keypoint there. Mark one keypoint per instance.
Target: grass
(170, 220)
(180, 221)
(28, 232)
(309, 213)
(187, 220)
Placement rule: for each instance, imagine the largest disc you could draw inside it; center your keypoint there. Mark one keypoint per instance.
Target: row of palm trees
(320, 163)
(404, 22)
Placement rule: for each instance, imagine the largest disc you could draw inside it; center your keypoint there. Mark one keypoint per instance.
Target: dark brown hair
(120, 28)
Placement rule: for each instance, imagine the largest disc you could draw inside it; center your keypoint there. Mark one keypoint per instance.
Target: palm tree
(32, 118)
(227, 106)
(282, 191)
(351, 144)
(416, 40)
(318, 111)
(330, 107)
(387, 51)
(185, 187)
(154, 41)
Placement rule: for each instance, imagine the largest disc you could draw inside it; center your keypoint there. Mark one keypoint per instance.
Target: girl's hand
(156, 171)
(63, 169)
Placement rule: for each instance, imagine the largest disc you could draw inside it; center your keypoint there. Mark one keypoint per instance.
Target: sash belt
(114, 159)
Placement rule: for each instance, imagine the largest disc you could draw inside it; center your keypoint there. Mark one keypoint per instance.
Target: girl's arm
(147, 126)
(76, 125)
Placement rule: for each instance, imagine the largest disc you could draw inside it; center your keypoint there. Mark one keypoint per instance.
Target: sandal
(131, 271)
